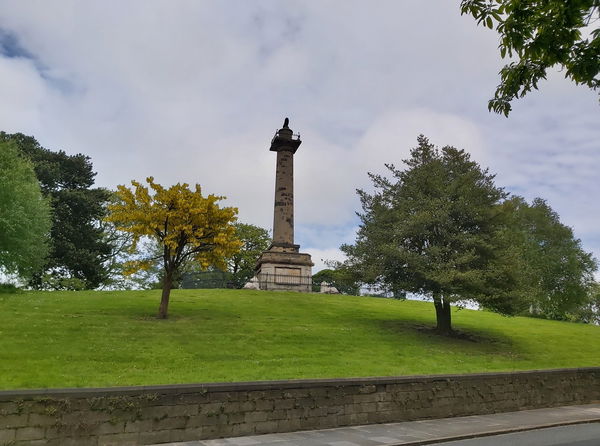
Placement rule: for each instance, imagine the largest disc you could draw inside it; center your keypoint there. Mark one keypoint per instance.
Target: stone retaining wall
(156, 414)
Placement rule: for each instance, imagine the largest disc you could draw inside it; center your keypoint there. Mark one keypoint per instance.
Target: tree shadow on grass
(471, 341)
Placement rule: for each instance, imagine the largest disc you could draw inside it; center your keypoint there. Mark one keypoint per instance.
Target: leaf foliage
(435, 228)
(538, 35)
(187, 225)
(78, 250)
(24, 214)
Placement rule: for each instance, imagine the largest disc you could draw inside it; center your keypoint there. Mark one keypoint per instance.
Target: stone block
(73, 441)
(255, 417)
(341, 400)
(181, 435)
(335, 410)
(35, 419)
(10, 408)
(322, 401)
(183, 410)
(265, 427)
(281, 404)
(171, 410)
(236, 418)
(358, 418)
(280, 414)
(272, 394)
(7, 436)
(154, 437)
(326, 422)
(288, 425)
(370, 407)
(398, 397)
(265, 405)
(59, 431)
(255, 395)
(206, 420)
(247, 406)
(170, 423)
(195, 421)
(209, 432)
(218, 397)
(8, 421)
(343, 420)
(30, 433)
(214, 431)
(370, 398)
(305, 402)
(86, 417)
(192, 434)
(42, 442)
(212, 408)
(138, 425)
(307, 423)
(297, 413)
(319, 392)
(124, 439)
(317, 412)
(350, 409)
(231, 407)
(172, 399)
(238, 430)
(154, 412)
(367, 389)
(381, 417)
(295, 393)
(193, 398)
(108, 428)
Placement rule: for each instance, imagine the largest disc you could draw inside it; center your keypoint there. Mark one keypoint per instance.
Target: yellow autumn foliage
(188, 226)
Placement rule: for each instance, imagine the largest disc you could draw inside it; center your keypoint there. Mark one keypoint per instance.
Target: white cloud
(23, 93)
(321, 256)
(193, 91)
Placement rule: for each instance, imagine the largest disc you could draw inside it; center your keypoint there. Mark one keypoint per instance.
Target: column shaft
(283, 219)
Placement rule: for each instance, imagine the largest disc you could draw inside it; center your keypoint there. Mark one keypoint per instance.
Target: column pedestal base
(283, 268)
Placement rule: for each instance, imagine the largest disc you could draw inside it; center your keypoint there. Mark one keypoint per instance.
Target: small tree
(187, 226)
(557, 273)
(24, 214)
(435, 231)
(589, 312)
(254, 240)
(340, 277)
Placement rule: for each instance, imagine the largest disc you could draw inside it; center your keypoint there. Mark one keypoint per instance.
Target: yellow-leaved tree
(187, 226)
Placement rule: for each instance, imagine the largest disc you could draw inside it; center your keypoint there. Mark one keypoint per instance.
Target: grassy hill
(85, 339)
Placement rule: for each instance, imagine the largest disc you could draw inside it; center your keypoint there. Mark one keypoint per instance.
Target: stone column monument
(283, 266)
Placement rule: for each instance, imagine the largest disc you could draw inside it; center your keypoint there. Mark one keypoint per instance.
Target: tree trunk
(443, 315)
(166, 292)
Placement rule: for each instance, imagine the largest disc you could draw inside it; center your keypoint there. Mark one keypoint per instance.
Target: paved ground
(573, 435)
(420, 432)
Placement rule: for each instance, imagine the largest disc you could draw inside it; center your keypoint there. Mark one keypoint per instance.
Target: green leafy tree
(434, 229)
(78, 248)
(557, 273)
(24, 214)
(254, 240)
(589, 312)
(540, 34)
(340, 277)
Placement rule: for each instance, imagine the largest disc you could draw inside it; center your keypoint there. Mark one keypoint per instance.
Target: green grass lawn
(86, 339)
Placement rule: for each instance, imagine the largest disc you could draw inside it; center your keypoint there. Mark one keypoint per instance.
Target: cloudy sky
(192, 91)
